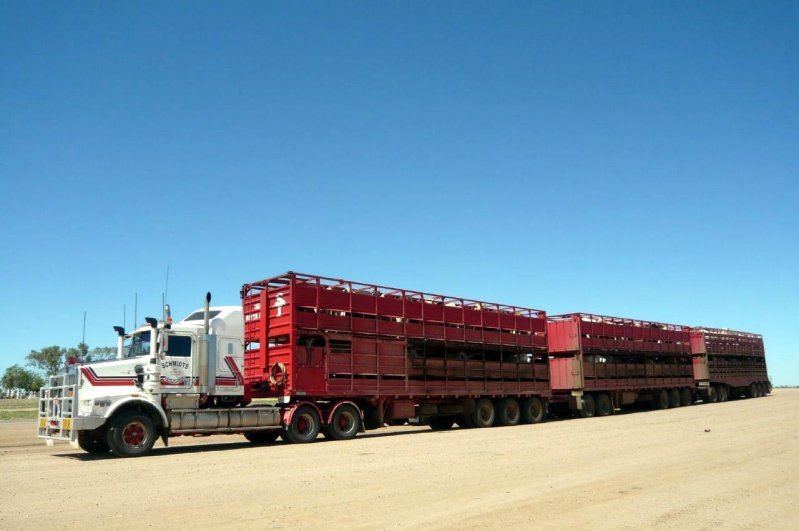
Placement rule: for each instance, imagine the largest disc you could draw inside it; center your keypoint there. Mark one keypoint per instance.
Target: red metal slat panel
(390, 305)
(433, 312)
(334, 299)
(453, 315)
(363, 303)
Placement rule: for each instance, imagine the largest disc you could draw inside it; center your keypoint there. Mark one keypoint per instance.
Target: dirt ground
(726, 465)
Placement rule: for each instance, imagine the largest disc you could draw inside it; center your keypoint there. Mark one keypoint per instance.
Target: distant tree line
(49, 360)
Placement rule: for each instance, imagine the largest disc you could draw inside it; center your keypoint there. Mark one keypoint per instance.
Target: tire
(686, 397)
(345, 423)
(441, 423)
(723, 392)
(589, 407)
(93, 443)
(768, 388)
(304, 426)
(132, 434)
(532, 410)
(674, 398)
(508, 412)
(604, 406)
(484, 413)
(712, 395)
(661, 399)
(761, 390)
(262, 437)
(751, 391)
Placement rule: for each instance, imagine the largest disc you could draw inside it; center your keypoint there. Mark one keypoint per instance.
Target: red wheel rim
(303, 424)
(134, 434)
(345, 421)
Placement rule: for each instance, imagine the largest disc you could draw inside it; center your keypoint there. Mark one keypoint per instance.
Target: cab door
(176, 365)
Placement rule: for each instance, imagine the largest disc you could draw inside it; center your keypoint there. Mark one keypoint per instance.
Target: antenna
(166, 284)
(83, 337)
(163, 295)
(135, 309)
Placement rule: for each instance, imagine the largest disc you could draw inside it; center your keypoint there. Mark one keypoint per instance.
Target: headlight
(86, 407)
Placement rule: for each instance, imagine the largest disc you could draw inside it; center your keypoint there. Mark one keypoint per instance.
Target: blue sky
(637, 159)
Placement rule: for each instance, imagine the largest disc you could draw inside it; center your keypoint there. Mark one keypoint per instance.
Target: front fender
(134, 403)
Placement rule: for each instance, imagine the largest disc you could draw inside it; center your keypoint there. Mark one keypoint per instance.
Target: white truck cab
(167, 379)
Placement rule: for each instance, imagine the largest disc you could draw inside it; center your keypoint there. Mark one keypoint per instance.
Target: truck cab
(167, 379)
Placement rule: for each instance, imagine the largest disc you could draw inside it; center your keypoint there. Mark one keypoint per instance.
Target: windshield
(137, 344)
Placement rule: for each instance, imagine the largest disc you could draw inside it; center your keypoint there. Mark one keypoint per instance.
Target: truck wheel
(441, 423)
(674, 397)
(262, 437)
(768, 388)
(484, 414)
(760, 390)
(686, 397)
(661, 400)
(345, 424)
(604, 406)
(589, 407)
(131, 434)
(723, 393)
(532, 410)
(304, 426)
(508, 413)
(93, 443)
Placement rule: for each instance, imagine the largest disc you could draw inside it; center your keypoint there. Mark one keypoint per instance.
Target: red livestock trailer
(338, 347)
(729, 364)
(598, 363)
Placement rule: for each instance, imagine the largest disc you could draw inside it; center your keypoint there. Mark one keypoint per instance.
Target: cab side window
(179, 346)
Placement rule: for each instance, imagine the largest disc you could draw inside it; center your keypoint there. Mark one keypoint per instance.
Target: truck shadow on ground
(413, 429)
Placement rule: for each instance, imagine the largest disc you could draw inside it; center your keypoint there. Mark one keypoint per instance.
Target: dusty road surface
(658, 469)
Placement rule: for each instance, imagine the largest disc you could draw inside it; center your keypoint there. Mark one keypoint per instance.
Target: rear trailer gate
(326, 338)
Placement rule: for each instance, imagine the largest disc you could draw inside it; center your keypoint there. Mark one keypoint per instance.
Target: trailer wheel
(723, 393)
(532, 410)
(760, 390)
(751, 391)
(262, 437)
(345, 424)
(304, 426)
(93, 443)
(441, 423)
(131, 434)
(589, 407)
(484, 414)
(662, 399)
(604, 406)
(508, 413)
(768, 388)
(712, 395)
(686, 397)
(674, 397)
